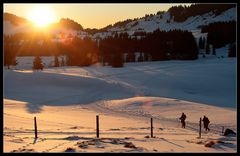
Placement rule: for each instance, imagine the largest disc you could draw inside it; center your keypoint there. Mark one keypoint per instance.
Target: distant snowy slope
(155, 22)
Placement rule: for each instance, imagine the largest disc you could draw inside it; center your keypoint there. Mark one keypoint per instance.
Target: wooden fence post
(35, 127)
(200, 126)
(97, 129)
(151, 127)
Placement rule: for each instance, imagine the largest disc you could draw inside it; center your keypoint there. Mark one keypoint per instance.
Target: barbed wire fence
(218, 129)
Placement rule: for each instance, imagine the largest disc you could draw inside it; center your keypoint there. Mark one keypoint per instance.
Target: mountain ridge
(163, 20)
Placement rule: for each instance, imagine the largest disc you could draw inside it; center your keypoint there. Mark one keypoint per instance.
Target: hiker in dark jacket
(183, 118)
(206, 123)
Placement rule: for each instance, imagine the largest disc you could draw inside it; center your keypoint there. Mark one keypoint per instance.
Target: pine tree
(213, 50)
(117, 60)
(37, 63)
(10, 61)
(140, 58)
(232, 50)
(62, 62)
(207, 49)
(130, 57)
(56, 62)
(9, 47)
(146, 57)
(200, 43)
(203, 43)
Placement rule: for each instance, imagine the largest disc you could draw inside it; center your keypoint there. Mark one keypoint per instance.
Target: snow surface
(67, 99)
(185, 80)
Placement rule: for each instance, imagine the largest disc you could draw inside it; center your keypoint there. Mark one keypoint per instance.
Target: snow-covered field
(66, 100)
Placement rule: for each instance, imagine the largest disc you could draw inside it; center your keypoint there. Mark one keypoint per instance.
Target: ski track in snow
(121, 111)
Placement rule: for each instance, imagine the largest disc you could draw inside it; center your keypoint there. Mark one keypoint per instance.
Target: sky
(96, 15)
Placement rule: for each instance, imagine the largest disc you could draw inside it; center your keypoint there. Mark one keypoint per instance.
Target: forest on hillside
(155, 46)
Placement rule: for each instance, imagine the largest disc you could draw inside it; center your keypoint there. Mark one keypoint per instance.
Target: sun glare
(41, 16)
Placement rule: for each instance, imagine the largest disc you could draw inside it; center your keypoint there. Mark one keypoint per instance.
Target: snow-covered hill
(152, 23)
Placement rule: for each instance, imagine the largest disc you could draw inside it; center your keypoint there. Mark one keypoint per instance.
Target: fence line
(97, 127)
(190, 125)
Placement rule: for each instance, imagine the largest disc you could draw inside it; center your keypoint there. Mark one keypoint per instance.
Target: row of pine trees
(120, 48)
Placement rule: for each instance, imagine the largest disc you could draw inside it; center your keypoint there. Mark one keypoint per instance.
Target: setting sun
(41, 16)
